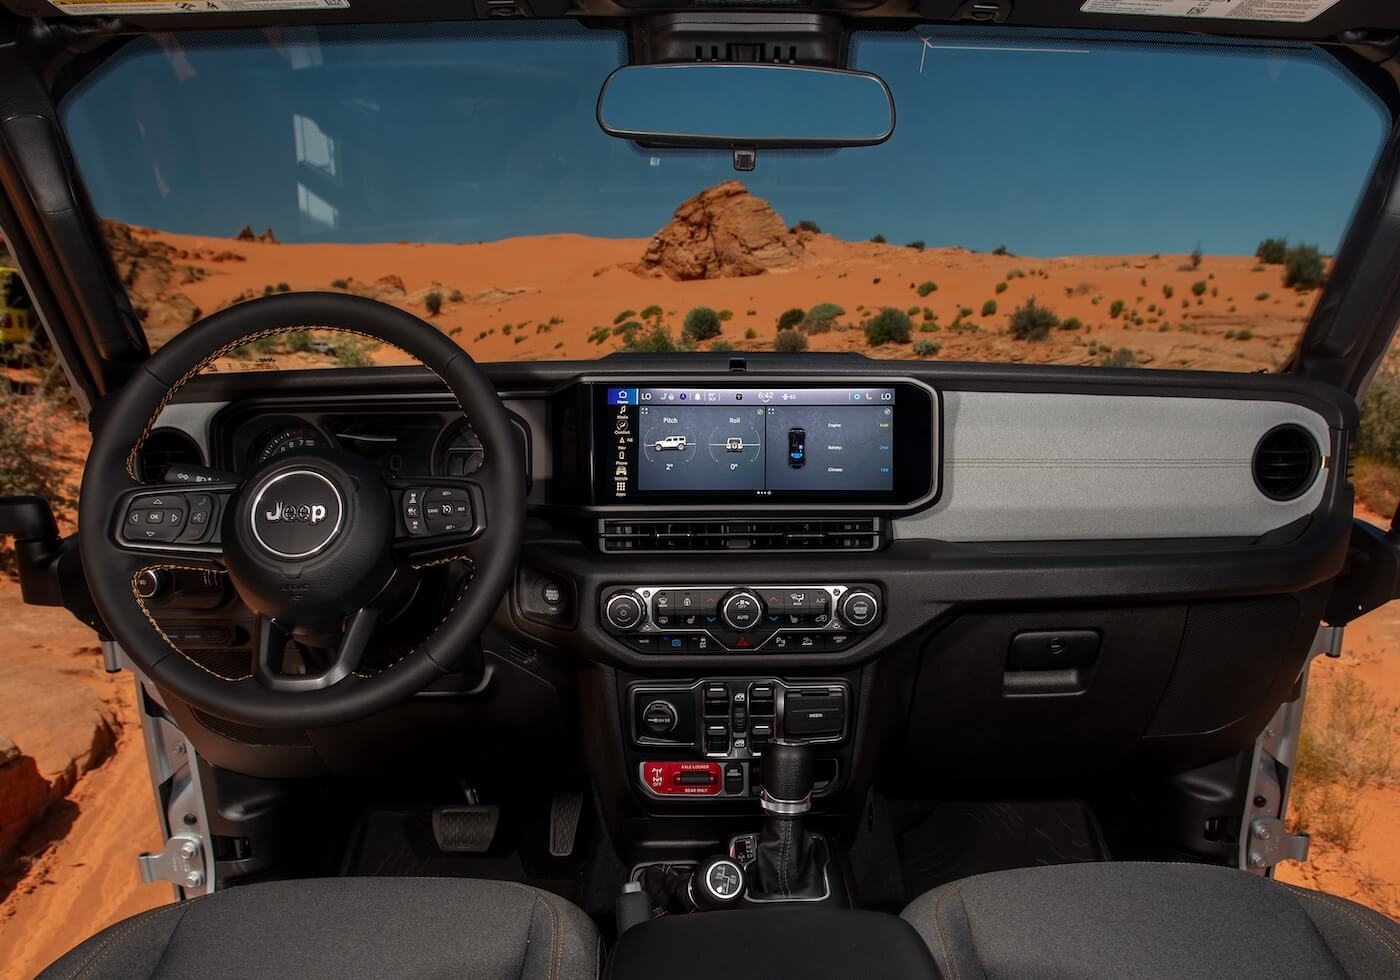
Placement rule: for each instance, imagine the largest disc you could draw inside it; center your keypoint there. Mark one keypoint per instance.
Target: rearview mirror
(696, 104)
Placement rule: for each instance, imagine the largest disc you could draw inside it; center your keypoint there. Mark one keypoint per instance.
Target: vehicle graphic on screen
(670, 442)
(734, 444)
(797, 448)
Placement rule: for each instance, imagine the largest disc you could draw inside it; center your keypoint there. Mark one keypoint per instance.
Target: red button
(682, 778)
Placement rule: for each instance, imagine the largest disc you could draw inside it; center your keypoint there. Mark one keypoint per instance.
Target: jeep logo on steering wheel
(283, 511)
(297, 514)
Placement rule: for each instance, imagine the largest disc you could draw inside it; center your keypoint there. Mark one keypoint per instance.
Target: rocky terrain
(724, 231)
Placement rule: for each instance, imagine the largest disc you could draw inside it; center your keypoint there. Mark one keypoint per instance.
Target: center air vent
(1286, 462)
(833, 534)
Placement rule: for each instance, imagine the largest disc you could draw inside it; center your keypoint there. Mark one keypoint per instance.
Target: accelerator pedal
(564, 813)
(465, 829)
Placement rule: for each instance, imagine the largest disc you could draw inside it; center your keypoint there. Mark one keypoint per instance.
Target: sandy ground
(1370, 872)
(78, 871)
(512, 290)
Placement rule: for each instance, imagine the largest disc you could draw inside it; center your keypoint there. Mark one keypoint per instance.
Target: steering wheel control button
(154, 517)
(659, 718)
(859, 609)
(741, 610)
(150, 583)
(624, 611)
(297, 514)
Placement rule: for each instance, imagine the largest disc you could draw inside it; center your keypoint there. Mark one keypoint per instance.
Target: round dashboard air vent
(1286, 462)
(163, 449)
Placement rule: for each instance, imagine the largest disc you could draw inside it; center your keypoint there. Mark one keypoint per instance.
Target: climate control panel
(720, 619)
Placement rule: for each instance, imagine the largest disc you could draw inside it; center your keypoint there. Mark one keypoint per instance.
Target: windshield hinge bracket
(180, 862)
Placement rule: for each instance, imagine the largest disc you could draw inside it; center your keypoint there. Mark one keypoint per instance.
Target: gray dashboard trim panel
(1035, 466)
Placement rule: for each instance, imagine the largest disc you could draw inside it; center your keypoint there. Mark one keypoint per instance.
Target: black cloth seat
(346, 928)
(1159, 921)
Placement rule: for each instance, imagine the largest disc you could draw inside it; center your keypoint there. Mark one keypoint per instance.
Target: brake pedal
(465, 829)
(564, 813)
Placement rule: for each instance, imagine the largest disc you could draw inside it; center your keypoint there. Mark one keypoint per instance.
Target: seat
(347, 928)
(1163, 921)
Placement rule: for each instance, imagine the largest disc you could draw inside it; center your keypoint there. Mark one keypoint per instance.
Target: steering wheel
(317, 544)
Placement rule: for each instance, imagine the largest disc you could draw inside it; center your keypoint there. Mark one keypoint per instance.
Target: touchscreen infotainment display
(828, 443)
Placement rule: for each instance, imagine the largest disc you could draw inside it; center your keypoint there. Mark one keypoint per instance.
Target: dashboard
(980, 551)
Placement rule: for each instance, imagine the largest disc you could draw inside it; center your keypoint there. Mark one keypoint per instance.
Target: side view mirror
(50, 570)
(1371, 577)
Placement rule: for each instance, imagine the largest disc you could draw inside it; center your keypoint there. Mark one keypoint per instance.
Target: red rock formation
(246, 235)
(724, 231)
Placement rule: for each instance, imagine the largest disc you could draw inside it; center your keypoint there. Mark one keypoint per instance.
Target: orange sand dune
(525, 283)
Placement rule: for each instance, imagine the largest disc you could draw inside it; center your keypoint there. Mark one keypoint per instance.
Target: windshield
(1072, 200)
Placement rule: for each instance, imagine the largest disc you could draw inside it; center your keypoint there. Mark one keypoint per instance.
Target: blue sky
(470, 133)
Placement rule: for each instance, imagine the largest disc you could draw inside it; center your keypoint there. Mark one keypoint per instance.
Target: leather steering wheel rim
(112, 564)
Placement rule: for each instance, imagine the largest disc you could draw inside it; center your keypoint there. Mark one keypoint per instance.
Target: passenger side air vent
(1286, 462)
(823, 534)
(163, 449)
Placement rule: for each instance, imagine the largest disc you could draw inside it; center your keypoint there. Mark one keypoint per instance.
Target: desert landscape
(724, 250)
(726, 272)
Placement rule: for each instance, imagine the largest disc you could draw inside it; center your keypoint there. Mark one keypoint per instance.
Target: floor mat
(399, 842)
(957, 840)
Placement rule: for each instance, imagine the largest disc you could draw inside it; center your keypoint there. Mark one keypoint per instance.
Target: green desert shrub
(701, 323)
(1272, 251)
(1380, 419)
(1000, 287)
(790, 342)
(1303, 268)
(655, 339)
(433, 303)
(1115, 308)
(352, 352)
(1031, 321)
(926, 287)
(889, 326)
(926, 348)
(789, 319)
(1121, 358)
(989, 308)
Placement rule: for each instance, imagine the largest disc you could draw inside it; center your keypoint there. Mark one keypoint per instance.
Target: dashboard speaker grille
(1286, 462)
(833, 534)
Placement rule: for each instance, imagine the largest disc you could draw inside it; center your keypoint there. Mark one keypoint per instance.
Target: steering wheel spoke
(173, 523)
(438, 518)
(312, 664)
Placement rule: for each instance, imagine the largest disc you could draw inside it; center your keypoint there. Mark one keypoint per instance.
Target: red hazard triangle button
(743, 641)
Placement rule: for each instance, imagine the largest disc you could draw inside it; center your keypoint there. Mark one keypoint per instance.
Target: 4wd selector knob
(624, 611)
(859, 608)
(741, 610)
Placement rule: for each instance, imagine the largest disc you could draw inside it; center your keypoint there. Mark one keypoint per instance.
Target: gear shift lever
(789, 864)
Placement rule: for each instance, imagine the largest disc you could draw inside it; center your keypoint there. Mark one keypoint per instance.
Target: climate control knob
(624, 611)
(741, 610)
(859, 609)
